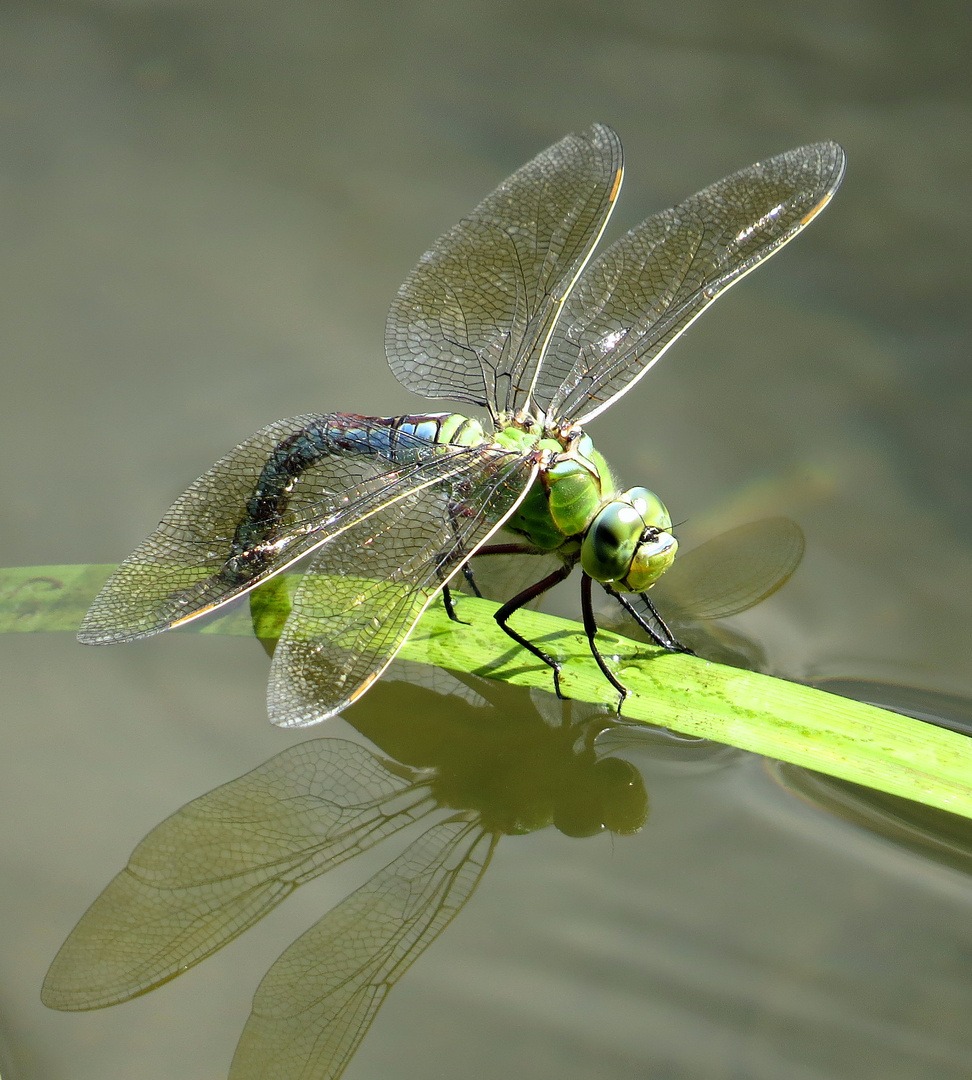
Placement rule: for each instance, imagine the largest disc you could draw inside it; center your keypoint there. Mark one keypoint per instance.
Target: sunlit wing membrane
(223, 861)
(366, 588)
(646, 289)
(471, 320)
(198, 559)
(731, 572)
(317, 1001)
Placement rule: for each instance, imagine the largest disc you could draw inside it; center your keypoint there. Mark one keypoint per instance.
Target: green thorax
(573, 484)
(622, 539)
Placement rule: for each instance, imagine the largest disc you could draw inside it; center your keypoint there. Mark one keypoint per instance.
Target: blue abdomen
(397, 440)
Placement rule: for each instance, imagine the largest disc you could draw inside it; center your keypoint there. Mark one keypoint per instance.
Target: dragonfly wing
(646, 289)
(731, 572)
(277, 496)
(223, 861)
(472, 319)
(366, 588)
(317, 1001)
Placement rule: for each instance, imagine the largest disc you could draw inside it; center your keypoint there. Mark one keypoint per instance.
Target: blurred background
(205, 210)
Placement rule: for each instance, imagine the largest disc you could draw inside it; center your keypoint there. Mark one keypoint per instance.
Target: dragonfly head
(629, 543)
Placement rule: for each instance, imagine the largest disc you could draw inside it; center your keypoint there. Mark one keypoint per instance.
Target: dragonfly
(508, 313)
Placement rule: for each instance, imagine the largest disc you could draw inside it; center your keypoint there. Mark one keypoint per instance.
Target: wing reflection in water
(492, 767)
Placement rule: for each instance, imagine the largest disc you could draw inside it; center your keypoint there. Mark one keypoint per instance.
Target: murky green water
(205, 212)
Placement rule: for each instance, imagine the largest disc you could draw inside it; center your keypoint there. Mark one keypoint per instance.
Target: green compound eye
(611, 542)
(628, 542)
(651, 508)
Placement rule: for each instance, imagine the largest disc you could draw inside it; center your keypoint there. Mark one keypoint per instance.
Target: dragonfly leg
(590, 628)
(467, 573)
(495, 549)
(471, 580)
(450, 607)
(523, 598)
(659, 633)
(508, 549)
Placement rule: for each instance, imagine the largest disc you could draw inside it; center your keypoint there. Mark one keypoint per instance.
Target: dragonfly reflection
(223, 861)
(505, 313)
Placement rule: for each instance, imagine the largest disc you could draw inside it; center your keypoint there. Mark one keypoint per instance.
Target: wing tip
(95, 630)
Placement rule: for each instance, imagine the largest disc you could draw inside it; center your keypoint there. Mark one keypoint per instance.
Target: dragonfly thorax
(573, 508)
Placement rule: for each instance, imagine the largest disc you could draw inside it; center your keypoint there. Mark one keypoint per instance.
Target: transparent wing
(316, 1003)
(365, 589)
(647, 288)
(223, 861)
(731, 572)
(472, 319)
(281, 493)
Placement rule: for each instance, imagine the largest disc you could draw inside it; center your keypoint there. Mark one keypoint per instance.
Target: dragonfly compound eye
(651, 508)
(628, 542)
(611, 542)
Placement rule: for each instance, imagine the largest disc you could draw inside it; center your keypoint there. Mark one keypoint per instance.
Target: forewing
(473, 317)
(731, 572)
(646, 289)
(194, 561)
(223, 861)
(366, 588)
(317, 1001)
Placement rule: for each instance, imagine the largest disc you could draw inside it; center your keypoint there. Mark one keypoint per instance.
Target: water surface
(205, 213)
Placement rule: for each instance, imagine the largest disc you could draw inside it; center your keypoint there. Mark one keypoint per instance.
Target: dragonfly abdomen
(394, 440)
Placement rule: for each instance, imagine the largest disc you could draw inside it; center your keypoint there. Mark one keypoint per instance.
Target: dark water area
(205, 211)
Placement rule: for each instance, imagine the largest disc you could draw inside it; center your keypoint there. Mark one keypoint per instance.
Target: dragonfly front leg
(660, 634)
(523, 598)
(590, 628)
